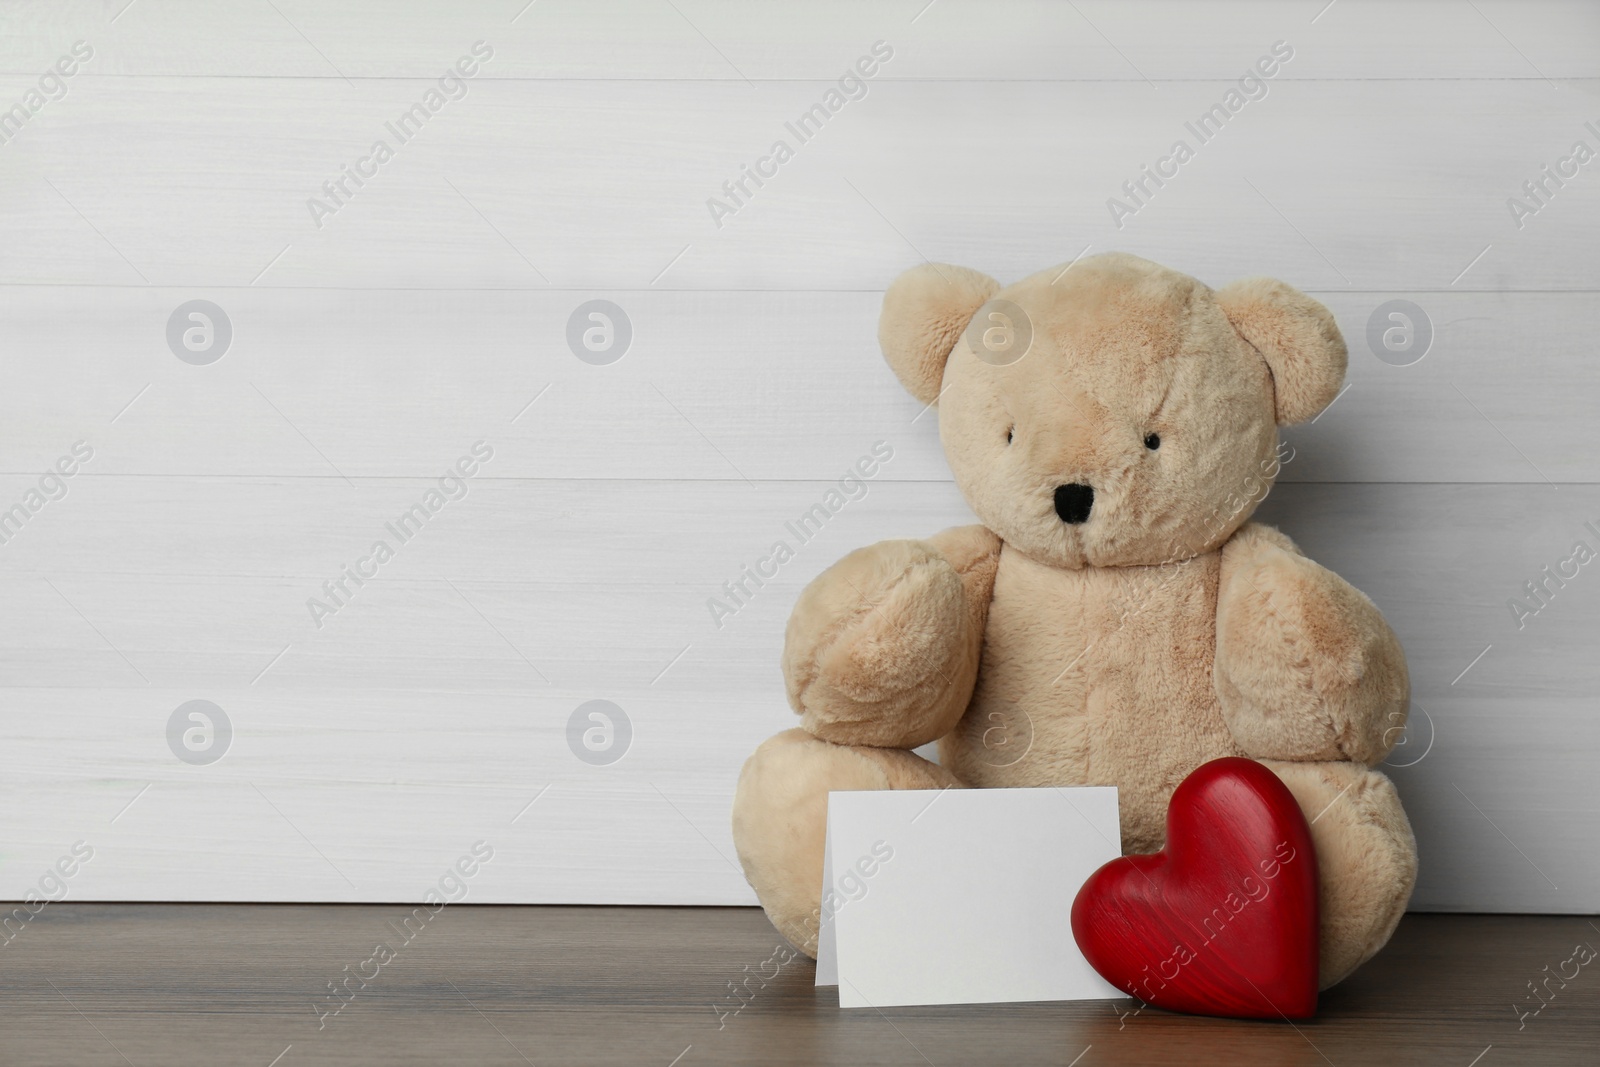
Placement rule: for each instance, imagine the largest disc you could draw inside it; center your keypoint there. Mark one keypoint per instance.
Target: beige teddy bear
(1116, 620)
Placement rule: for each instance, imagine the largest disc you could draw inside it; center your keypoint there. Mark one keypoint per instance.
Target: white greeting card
(961, 896)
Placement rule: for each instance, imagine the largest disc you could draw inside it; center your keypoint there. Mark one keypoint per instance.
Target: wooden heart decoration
(1223, 921)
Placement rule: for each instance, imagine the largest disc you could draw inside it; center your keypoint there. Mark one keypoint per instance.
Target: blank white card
(961, 896)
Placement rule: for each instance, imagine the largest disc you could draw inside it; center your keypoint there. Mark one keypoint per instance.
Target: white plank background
(370, 353)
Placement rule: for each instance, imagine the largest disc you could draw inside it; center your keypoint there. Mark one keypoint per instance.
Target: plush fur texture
(1127, 649)
(922, 316)
(1296, 336)
(780, 815)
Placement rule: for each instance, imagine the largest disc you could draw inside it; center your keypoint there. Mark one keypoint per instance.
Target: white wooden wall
(430, 312)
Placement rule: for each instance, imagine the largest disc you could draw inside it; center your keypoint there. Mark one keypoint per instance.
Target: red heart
(1223, 921)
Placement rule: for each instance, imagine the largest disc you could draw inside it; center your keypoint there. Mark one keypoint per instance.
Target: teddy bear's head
(1111, 412)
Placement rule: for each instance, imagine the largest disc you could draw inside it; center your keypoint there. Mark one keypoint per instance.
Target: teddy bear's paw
(1306, 668)
(882, 648)
(1366, 857)
(780, 813)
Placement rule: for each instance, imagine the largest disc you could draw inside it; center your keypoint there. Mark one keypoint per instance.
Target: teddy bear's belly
(1100, 676)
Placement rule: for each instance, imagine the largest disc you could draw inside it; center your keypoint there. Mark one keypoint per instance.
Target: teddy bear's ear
(1298, 338)
(924, 312)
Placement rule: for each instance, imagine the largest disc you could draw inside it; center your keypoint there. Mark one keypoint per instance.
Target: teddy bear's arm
(882, 648)
(1306, 667)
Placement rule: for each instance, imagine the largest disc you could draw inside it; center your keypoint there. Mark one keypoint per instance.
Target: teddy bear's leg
(780, 817)
(1366, 857)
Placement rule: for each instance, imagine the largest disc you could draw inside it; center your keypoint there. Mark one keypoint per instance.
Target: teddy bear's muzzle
(1074, 502)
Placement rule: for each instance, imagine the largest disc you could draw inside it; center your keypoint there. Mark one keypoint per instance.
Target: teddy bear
(1116, 619)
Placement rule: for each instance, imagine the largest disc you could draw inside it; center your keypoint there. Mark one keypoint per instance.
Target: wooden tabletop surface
(140, 984)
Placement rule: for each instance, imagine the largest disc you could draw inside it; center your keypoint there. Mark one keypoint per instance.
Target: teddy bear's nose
(1074, 501)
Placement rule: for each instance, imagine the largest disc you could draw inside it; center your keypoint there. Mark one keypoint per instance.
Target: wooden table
(157, 984)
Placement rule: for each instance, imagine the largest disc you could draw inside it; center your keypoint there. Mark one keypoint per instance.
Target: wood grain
(1405, 197)
(435, 705)
(720, 386)
(206, 984)
(723, 40)
(430, 311)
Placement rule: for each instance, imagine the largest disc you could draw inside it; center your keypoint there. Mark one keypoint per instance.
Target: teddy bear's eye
(1152, 441)
(1010, 434)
